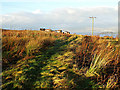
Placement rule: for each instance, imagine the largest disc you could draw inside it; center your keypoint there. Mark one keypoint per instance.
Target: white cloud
(38, 11)
(71, 19)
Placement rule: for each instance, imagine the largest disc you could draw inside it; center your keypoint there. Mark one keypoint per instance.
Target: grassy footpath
(53, 68)
(74, 61)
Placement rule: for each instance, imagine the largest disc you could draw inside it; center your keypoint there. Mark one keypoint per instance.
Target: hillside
(38, 59)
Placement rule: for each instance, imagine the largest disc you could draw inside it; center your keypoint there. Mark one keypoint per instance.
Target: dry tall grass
(91, 57)
(17, 45)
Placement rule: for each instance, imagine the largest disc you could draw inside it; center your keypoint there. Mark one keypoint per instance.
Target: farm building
(48, 30)
(42, 29)
(66, 32)
(59, 31)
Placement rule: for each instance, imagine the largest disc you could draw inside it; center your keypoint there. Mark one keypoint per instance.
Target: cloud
(71, 19)
(38, 11)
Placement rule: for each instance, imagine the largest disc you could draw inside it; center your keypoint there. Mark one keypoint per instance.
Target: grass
(36, 59)
(99, 62)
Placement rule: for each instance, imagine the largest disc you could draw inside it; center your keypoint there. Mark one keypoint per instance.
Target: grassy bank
(36, 59)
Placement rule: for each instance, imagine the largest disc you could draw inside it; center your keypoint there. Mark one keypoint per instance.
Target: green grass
(73, 61)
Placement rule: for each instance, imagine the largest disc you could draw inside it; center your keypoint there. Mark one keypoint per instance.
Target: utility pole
(92, 24)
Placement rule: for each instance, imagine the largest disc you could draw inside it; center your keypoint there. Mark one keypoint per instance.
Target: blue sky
(72, 15)
(10, 7)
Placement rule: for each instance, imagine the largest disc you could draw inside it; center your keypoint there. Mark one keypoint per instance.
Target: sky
(68, 15)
